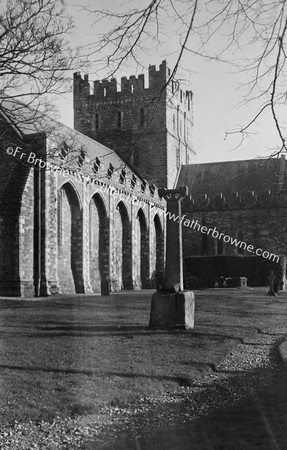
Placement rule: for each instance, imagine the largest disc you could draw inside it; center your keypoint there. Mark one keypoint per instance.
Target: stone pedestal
(171, 310)
(173, 307)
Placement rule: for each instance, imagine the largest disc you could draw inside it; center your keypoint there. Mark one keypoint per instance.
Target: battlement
(125, 115)
(247, 200)
(111, 90)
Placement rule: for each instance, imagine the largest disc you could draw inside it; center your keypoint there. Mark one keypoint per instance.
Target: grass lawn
(69, 356)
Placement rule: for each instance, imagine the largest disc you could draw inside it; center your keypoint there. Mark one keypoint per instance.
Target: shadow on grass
(125, 331)
(94, 373)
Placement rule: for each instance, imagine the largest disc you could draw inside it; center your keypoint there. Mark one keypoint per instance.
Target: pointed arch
(123, 251)
(142, 253)
(70, 245)
(157, 253)
(98, 242)
(69, 184)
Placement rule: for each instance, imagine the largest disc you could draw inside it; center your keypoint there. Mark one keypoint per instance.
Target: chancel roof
(229, 177)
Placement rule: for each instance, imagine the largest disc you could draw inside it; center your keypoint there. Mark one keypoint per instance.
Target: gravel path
(250, 367)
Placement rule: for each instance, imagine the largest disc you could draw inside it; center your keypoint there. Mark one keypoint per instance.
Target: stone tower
(150, 127)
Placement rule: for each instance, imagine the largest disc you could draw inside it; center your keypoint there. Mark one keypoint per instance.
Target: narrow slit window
(141, 117)
(97, 121)
(119, 119)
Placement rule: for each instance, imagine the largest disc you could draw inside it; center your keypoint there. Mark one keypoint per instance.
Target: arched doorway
(98, 239)
(70, 260)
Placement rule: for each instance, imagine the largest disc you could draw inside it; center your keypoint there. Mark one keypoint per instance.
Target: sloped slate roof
(57, 132)
(258, 175)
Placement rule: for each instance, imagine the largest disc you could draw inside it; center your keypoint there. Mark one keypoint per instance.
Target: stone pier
(173, 307)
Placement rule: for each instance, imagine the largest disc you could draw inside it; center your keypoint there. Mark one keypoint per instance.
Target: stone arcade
(83, 220)
(93, 219)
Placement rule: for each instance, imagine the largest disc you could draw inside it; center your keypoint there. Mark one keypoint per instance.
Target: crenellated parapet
(130, 87)
(148, 120)
(243, 200)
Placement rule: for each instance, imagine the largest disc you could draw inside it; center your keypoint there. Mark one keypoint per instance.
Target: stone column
(172, 307)
(174, 259)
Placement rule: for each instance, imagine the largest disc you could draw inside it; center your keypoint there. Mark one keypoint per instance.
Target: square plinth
(171, 310)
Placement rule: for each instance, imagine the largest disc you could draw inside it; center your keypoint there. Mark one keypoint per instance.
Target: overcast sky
(218, 94)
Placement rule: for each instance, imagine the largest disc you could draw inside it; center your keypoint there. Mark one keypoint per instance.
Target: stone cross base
(172, 310)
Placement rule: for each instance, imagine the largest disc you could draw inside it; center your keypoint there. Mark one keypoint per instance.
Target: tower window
(177, 158)
(181, 95)
(119, 119)
(97, 121)
(173, 121)
(141, 117)
(105, 92)
(132, 88)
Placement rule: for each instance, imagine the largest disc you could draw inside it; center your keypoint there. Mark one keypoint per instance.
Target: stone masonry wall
(262, 226)
(60, 234)
(16, 219)
(115, 237)
(149, 127)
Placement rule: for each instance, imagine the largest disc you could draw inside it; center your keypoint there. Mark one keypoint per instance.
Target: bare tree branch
(248, 34)
(35, 57)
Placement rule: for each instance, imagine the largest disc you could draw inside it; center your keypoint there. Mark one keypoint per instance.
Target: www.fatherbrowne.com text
(214, 233)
